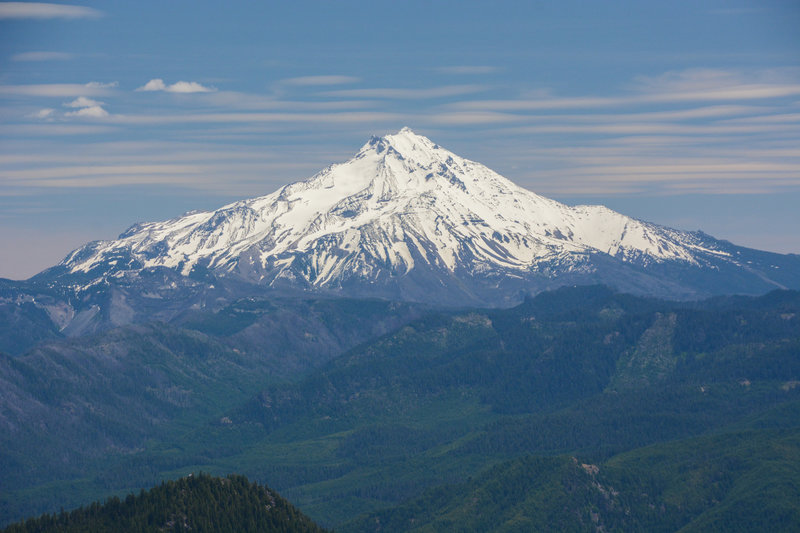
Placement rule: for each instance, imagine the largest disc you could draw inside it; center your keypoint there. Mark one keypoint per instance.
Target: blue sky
(681, 113)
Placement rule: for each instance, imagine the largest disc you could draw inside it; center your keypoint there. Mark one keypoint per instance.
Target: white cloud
(157, 84)
(43, 113)
(42, 56)
(320, 80)
(86, 107)
(39, 10)
(153, 85)
(94, 111)
(188, 87)
(82, 101)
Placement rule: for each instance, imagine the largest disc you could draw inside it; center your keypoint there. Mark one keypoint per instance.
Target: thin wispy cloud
(688, 80)
(655, 164)
(102, 85)
(238, 100)
(736, 11)
(408, 94)
(477, 117)
(54, 174)
(625, 140)
(692, 85)
(40, 10)
(184, 87)
(42, 56)
(53, 130)
(593, 117)
(655, 137)
(726, 94)
(320, 80)
(43, 113)
(59, 90)
(649, 128)
(778, 118)
(541, 104)
(468, 69)
(716, 84)
(239, 118)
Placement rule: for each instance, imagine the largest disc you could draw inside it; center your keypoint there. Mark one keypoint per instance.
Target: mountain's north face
(407, 219)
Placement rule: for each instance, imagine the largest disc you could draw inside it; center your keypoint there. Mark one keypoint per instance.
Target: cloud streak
(43, 11)
(42, 56)
(43, 113)
(320, 80)
(238, 118)
(693, 85)
(58, 90)
(468, 69)
(407, 94)
(52, 130)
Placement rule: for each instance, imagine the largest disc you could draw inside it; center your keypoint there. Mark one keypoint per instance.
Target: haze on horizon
(684, 114)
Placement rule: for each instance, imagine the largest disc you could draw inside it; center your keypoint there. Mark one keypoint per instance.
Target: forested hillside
(739, 481)
(692, 407)
(195, 503)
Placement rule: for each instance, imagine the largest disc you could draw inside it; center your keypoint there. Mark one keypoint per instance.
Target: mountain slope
(732, 481)
(407, 219)
(581, 371)
(83, 399)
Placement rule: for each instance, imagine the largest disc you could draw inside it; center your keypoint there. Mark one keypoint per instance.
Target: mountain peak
(403, 217)
(408, 133)
(408, 144)
(407, 136)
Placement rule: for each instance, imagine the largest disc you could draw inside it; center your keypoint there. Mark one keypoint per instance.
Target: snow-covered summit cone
(409, 219)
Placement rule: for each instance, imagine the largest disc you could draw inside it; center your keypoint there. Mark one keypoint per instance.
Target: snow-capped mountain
(406, 218)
